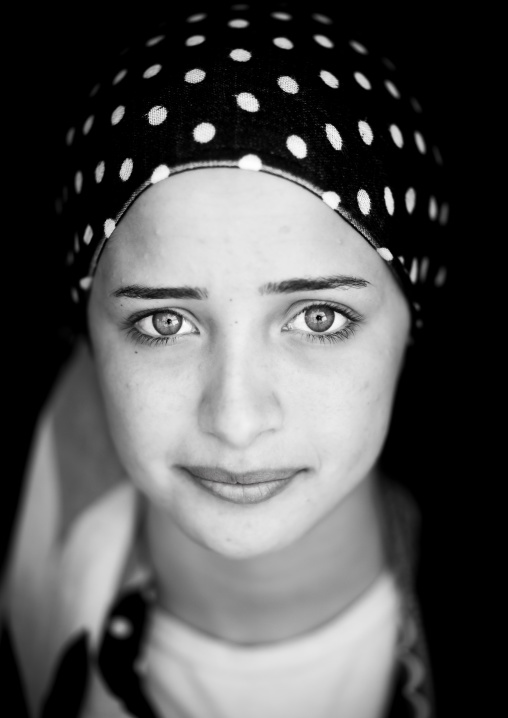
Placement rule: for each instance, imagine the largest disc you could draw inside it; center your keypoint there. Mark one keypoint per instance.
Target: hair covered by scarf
(290, 93)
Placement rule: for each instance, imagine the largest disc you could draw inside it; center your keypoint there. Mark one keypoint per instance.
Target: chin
(245, 538)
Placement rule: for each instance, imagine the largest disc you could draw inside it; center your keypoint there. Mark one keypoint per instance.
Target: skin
(239, 392)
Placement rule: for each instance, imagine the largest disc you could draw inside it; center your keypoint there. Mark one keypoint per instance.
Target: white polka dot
(410, 200)
(88, 124)
(78, 181)
(120, 627)
(283, 42)
(416, 105)
(358, 47)
(109, 227)
(413, 272)
(238, 23)
(194, 40)
(363, 201)
(437, 155)
(157, 115)
(281, 16)
(240, 55)
(99, 172)
(117, 114)
(247, 102)
(443, 214)
(396, 135)
(332, 199)
(389, 201)
(87, 236)
(333, 136)
(119, 77)
(296, 146)
(160, 173)
(76, 242)
(323, 41)
(392, 89)
(197, 17)
(420, 142)
(250, 162)
(85, 283)
(365, 132)
(432, 208)
(195, 76)
(95, 89)
(74, 295)
(424, 268)
(329, 79)
(152, 71)
(126, 169)
(69, 137)
(287, 84)
(385, 253)
(362, 81)
(324, 19)
(154, 40)
(204, 132)
(440, 278)
(388, 63)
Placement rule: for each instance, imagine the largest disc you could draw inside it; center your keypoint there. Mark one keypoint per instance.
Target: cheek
(347, 411)
(146, 408)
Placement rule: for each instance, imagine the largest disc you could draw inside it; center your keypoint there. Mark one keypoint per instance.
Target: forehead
(218, 223)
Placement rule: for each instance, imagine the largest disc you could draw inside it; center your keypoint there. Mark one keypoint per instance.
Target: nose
(239, 401)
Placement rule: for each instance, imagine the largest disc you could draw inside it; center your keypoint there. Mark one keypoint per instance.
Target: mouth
(249, 487)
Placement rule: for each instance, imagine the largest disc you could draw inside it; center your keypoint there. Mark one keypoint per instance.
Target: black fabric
(291, 93)
(70, 683)
(117, 657)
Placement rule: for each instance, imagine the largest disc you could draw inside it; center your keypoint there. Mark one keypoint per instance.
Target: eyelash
(339, 336)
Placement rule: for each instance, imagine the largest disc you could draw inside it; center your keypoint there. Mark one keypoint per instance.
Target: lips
(223, 476)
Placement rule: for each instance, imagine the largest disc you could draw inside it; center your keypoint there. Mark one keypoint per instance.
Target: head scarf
(284, 92)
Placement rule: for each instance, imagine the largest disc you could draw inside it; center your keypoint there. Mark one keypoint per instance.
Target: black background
(439, 445)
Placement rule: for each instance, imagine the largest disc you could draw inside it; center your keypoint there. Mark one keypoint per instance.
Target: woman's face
(250, 370)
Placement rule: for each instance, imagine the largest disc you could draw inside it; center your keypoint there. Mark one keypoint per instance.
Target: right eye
(164, 324)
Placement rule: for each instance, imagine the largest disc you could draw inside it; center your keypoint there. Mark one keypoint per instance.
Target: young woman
(255, 216)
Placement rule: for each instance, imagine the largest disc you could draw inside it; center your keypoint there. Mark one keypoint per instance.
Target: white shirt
(344, 668)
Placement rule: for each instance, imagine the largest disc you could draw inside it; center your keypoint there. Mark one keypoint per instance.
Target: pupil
(319, 319)
(166, 323)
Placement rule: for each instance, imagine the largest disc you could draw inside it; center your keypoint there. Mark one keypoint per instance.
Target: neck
(274, 596)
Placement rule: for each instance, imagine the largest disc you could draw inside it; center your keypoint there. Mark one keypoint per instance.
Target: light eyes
(316, 322)
(165, 324)
(319, 318)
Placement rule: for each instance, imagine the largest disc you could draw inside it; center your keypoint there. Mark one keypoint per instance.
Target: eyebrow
(288, 286)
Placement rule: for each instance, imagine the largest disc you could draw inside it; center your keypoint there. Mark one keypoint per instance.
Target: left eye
(164, 324)
(319, 319)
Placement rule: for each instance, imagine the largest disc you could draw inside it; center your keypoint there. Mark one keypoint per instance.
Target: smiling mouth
(224, 476)
(242, 488)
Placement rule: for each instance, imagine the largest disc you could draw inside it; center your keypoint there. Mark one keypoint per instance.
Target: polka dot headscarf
(285, 92)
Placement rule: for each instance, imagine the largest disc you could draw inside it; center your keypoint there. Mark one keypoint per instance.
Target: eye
(164, 324)
(319, 319)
